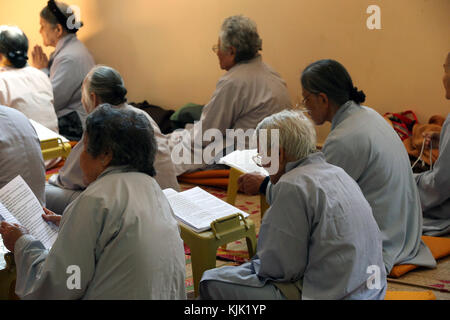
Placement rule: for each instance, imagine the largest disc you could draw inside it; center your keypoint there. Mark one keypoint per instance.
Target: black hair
(14, 46)
(330, 77)
(56, 13)
(128, 135)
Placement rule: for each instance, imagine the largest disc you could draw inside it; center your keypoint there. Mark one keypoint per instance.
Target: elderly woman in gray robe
(104, 85)
(249, 91)
(318, 239)
(363, 144)
(434, 185)
(67, 67)
(109, 240)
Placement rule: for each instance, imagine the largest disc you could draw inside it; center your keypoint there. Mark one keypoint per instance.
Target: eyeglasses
(260, 160)
(257, 159)
(215, 48)
(302, 105)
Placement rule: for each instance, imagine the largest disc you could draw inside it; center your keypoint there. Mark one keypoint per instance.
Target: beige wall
(163, 47)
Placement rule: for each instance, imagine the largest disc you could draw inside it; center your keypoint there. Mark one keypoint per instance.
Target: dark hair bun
(121, 92)
(18, 58)
(357, 96)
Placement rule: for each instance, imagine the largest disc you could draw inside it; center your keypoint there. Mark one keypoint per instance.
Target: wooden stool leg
(203, 258)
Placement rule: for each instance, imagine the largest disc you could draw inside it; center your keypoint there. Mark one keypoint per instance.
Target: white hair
(297, 135)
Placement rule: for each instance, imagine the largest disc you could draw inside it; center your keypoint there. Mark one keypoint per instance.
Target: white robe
(20, 152)
(65, 186)
(29, 90)
(245, 95)
(370, 151)
(319, 231)
(434, 189)
(122, 235)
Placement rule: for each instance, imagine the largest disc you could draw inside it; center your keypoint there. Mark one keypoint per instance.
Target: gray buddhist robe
(20, 152)
(246, 94)
(122, 235)
(434, 189)
(319, 233)
(65, 186)
(68, 66)
(370, 151)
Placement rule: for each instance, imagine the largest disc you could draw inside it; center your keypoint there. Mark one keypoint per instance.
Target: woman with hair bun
(102, 85)
(23, 87)
(67, 66)
(370, 151)
(363, 144)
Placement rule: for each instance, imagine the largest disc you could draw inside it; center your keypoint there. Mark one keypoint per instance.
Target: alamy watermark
(207, 147)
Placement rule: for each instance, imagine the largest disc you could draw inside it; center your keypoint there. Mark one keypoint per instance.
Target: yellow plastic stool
(54, 148)
(233, 187)
(409, 295)
(204, 245)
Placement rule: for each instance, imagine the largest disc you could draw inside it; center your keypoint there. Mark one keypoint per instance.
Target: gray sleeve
(65, 81)
(434, 185)
(43, 274)
(284, 236)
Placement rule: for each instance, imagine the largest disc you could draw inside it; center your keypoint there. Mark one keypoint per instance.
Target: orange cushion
(439, 247)
(206, 174)
(409, 295)
(217, 182)
(214, 178)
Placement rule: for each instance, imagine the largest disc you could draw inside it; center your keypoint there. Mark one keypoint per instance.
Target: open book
(18, 204)
(45, 133)
(197, 208)
(243, 161)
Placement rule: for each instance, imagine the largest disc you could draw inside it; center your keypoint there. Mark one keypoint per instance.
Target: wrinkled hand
(249, 183)
(11, 233)
(50, 216)
(431, 138)
(39, 58)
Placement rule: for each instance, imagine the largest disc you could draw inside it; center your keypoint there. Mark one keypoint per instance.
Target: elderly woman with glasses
(114, 231)
(246, 94)
(363, 144)
(317, 240)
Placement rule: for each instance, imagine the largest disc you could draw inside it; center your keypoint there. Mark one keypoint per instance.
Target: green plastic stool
(204, 245)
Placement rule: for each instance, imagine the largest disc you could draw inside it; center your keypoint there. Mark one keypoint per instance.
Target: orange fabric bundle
(439, 247)
(413, 144)
(410, 295)
(214, 178)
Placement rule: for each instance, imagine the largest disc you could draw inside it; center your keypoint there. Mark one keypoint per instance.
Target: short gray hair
(107, 84)
(241, 33)
(126, 133)
(296, 133)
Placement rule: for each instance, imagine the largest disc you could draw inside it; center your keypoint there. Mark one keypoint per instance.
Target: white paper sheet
(243, 161)
(21, 206)
(197, 208)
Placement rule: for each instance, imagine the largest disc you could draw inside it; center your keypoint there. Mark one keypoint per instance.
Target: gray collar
(312, 158)
(341, 114)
